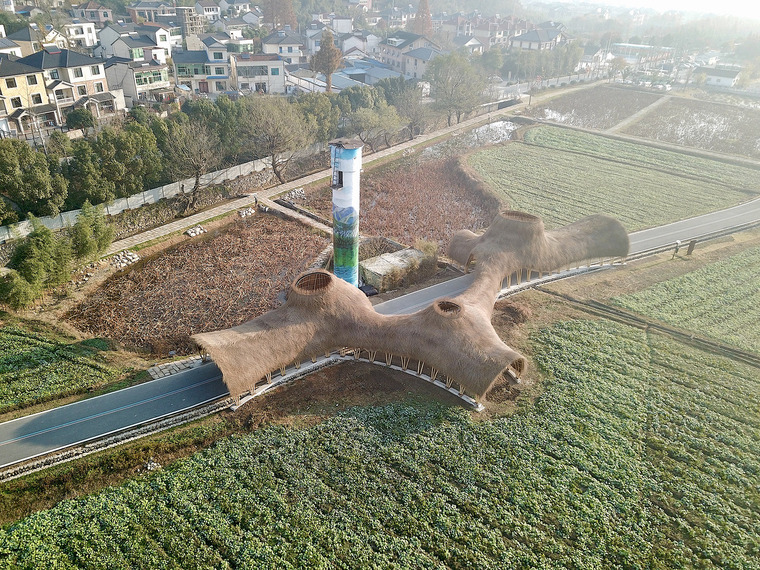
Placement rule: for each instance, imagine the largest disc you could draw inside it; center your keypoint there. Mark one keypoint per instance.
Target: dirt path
(636, 116)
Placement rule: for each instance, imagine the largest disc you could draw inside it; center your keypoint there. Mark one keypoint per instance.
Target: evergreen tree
(423, 21)
(29, 180)
(91, 235)
(328, 59)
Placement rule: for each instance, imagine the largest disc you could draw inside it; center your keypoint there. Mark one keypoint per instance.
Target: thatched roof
(454, 336)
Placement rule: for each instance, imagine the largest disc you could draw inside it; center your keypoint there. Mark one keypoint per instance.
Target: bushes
(43, 260)
(90, 235)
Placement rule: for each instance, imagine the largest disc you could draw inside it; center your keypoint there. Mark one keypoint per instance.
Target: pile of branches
(212, 282)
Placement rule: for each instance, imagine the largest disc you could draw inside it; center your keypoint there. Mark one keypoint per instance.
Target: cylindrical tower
(346, 160)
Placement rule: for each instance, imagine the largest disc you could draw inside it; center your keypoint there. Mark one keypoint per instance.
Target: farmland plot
(562, 185)
(200, 285)
(36, 368)
(704, 125)
(622, 462)
(600, 107)
(719, 300)
(425, 199)
(722, 174)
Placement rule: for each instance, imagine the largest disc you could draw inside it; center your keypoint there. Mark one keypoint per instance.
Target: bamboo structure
(323, 313)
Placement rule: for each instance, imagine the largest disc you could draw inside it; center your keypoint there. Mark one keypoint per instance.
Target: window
(218, 71)
(275, 71)
(218, 55)
(54, 74)
(98, 88)
(78, 72)
(10, 83)
(81, 89)
(31, 79)
(290, 49)
(36, 99)
(280, 49)
(221, 86)
(95, 70)
(16, 102)
(105, 15)
(93, 15)
(162, 38)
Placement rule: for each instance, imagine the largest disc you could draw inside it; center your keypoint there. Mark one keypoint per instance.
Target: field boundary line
(638, 114)
(644, 323)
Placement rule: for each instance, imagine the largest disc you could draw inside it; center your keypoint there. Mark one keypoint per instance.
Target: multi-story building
(206, 70)
(93, 12)
(259, 73)
(24, 102)
(190, 21)
(69, 75)
(285, 43)
(150, 10)
(208, 9)
(144, 82)
(395, 46)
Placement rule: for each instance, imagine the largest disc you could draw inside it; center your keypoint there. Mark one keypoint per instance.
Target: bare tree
(193, 150)
(276, 129)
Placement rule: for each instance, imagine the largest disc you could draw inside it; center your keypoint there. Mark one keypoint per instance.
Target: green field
(639, 453)
(565, 175)
(36, 367)
(719, 300)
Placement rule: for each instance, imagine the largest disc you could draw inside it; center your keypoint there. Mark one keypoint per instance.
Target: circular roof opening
(448, 308)
(313, 282)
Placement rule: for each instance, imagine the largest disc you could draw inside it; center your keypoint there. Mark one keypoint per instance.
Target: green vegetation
(35, 367)
(581, 176)
(719, 300)
(639, 453)
(43, 259)
(716, 172)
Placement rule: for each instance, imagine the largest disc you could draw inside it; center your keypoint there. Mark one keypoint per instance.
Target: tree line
(145, 150)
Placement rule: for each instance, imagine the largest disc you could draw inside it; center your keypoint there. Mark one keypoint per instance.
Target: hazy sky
(743, 8)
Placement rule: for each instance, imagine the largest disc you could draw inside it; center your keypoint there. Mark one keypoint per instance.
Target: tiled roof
(61, 58)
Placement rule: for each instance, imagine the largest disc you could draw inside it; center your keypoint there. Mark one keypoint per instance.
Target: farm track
(637, 321)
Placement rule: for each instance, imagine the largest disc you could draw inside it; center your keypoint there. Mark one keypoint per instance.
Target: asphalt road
(94, 418)
(87, 420)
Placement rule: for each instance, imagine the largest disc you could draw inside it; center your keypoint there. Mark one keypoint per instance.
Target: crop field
(600, 107)
(702, 124)
(639, 453)
(425, 199)
(719, 300)
(220, 280)
(35, 367)
(579, 177)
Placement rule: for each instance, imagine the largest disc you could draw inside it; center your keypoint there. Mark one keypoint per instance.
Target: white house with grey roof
(287, 44)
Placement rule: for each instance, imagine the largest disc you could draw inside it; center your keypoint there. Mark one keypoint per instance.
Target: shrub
(91, 235)
(39, 262)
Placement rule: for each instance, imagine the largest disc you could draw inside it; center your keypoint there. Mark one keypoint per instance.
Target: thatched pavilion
(454, 337)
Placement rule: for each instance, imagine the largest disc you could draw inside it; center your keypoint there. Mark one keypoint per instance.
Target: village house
(259, 73)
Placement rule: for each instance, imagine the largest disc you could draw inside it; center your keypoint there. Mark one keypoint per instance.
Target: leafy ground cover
(703, 124)
(566, 184)
(719, 300)
(35, 367)
(201, 284)
(600, 107)
(415, 199)
(639, 453)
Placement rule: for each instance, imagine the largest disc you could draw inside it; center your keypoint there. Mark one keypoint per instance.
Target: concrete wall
(67, 219)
